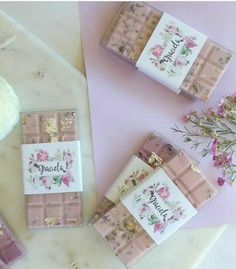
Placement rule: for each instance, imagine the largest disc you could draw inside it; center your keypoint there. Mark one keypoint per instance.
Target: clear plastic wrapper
(48, 170)
(130, 31)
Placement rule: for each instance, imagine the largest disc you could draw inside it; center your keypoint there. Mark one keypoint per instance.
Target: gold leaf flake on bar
(155, 160)
(51, 221)
(50, 126)
(131, 225)
(194, 168)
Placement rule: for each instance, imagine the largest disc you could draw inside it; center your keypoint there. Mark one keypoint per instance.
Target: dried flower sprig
(215, 131)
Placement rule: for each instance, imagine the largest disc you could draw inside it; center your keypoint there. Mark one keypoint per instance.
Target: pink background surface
(126, 105)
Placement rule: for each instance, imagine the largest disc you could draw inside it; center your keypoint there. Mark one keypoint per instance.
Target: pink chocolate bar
(155, 151)
(10, 249)
(53, 209)
(124, 234)
(132, 28)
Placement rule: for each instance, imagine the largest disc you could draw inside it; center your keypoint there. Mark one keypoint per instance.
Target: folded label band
(134, 172)
(159, 206)
(52, 167)
(170, 52)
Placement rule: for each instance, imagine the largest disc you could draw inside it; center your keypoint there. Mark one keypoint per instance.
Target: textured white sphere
(9, 108)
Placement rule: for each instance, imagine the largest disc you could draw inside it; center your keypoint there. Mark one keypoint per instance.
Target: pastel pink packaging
(52, 171)
(154, 152)
(10, 248)
(167, 50)
(155, 208)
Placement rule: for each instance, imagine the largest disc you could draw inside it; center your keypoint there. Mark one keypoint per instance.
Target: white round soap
(9, 108)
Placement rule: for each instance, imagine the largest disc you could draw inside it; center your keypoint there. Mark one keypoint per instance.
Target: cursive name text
(153, 200)
(49, 168)
(169, 55)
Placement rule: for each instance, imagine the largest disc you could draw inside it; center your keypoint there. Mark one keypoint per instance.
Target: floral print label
(52, 167)
(170, 52)
(159, 206)
(133, 173)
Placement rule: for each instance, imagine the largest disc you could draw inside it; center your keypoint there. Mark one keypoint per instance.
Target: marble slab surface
(57, 248)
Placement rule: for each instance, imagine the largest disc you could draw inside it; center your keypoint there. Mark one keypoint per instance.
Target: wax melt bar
(189, 180)
(130, 36)
(153, 201)
(53, 197)
(10, 249)
(155, 151)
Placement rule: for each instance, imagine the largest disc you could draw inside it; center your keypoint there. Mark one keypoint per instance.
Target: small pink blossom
(220, 181)
(144, 211)
(189, 42)
(42, 156)
(210, 112)
(186, 118)
(222, 160)
(159, 226)
(221, 111)
(141, 177)
(144, 208)
(181, 61)
(45, 182)
(214, 147)
(66, 179)
(157, 50)
(163, 192)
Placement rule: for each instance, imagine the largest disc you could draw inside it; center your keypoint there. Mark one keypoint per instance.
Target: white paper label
(134, 172)
(170, 52)
(52, 167)
(159, 206)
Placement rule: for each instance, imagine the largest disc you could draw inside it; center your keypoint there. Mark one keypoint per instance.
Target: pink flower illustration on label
(163, 192)
(172, 54)
(159, 227)
(154, 205)
(46, 170)
(157, 50)
(42, 156)
(136, 177)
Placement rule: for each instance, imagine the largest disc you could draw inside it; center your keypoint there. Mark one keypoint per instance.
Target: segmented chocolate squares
(155, 151)
(130, 33)
(48, 170)
(10, 249)
(123, 232)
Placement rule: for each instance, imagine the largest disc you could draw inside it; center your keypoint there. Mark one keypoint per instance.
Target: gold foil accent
(50, 126)
(67, 123)
(51, 221)
(194, 168)
(155, 160)
(131, 226)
